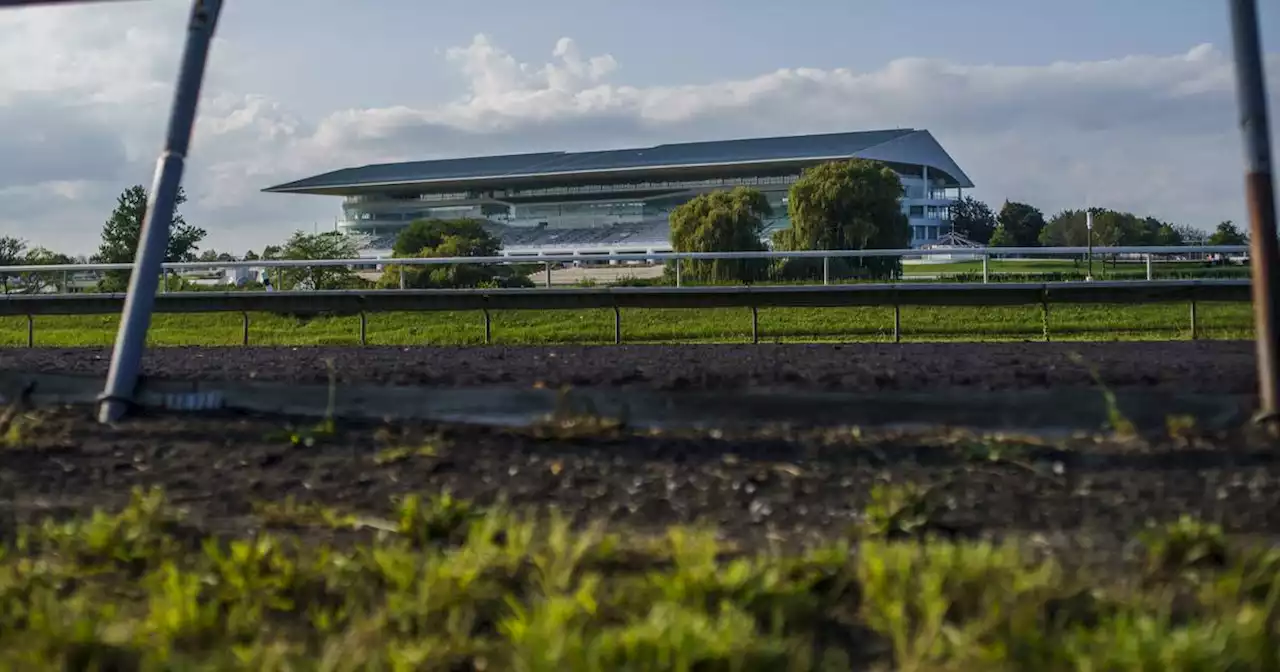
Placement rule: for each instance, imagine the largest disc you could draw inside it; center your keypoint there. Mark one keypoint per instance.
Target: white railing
(984, 253)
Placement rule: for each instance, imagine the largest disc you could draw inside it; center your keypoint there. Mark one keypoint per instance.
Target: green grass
(439, 584)
(733, 325)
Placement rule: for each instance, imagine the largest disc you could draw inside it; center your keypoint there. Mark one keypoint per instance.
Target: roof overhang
(610, 175)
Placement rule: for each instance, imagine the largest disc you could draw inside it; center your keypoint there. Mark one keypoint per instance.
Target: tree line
(1022, 225)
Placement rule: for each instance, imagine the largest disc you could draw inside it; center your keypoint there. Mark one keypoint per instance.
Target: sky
(1127, 104)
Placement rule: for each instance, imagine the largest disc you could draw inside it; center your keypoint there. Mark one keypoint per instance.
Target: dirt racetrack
(758, 485)
(1202, 367)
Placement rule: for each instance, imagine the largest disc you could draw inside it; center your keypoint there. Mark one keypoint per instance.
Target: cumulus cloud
(1150, 133)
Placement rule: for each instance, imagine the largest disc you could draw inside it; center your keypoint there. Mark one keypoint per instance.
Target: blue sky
(665, 42)
(1127, 103)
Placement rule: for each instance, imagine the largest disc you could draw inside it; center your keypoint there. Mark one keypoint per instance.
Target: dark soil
(765, 486)
(1208, 366)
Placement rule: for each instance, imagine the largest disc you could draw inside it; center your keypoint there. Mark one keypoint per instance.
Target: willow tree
(722, 221)
(846, 205)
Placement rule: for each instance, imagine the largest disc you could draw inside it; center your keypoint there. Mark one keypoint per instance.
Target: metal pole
(364, 328)
(1148, 268)
(122, 376)
(1088, 225)
(1264, 249)
(826, 270)
(679, 279)
(548, 274)
(31, 331)
(985, 264)
(488, 328)
(244, 328)
(617, 326)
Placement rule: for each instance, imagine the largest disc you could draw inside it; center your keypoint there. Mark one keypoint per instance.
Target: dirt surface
(1206, 367)
(758, 487)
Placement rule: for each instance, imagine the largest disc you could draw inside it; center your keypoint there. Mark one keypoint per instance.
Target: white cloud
(1150, 133)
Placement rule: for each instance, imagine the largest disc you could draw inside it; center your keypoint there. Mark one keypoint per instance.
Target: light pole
(1088, 227)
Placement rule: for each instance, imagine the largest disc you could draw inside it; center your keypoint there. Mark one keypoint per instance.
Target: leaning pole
(1264, 249)
(126, 358)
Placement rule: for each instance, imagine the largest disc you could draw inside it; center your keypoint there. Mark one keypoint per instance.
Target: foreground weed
(900, 510)
(1185, 545)
(1116, 419)
(448, 586)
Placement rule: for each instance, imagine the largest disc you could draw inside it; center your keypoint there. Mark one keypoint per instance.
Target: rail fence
(360, 303)
(1147, 254)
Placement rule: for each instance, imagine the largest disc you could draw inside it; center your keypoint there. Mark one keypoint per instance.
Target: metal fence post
(1193, 320)
(364, 328)
(897, 323)
(488, 328)
(1264, 249)
(1044, 314)
(244, 320)
(755, 325)
(826, 270)
(985, 267)
(548, 274)
(402, 277)
(617, 326)
(1148, 268)
(679, 274)
(126, 359)
(31, 331)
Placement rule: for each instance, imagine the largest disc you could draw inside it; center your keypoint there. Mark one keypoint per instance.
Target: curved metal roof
(902, 146)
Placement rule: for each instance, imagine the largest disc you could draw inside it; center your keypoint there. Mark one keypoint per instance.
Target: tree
(846, 205)
(1022, 223)
(973, 219)
(1190, 235)
(721, 221)
(14, 252)
(448, 238)
(1228, 234)
(302, 245)
(214, 256)
(121, 232)
(1001, 238)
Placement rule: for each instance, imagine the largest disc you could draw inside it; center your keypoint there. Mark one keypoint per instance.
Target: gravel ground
(758, 487)
(1205, 367)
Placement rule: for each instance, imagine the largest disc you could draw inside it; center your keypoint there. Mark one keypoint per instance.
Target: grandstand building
(621, 200)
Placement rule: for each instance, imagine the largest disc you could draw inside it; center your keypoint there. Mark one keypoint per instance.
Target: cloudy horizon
(1148, 127)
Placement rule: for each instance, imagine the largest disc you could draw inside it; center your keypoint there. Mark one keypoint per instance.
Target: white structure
(620, 200)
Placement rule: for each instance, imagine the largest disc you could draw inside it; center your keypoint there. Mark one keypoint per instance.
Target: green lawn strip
(729, 325)
(438, 584)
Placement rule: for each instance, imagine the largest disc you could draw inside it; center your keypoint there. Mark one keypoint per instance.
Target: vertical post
(755, 324)
(66, 283)
(402, 277)
(244, 324)
(1149, 276)
(164, 281)
(1264, 249)
(1044, 314)
(548, 274)
(1088, 226)
(826, 270)
(986, 259)
(488, 328)
(131, 339)
(1194, 335)
(364, 328)
(617, 326)
(897, 323)
(679, 279)
(31, 331)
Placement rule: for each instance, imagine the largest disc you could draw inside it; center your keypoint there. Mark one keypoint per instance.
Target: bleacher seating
(645, 234)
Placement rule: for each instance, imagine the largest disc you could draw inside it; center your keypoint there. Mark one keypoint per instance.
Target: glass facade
(646, 205)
